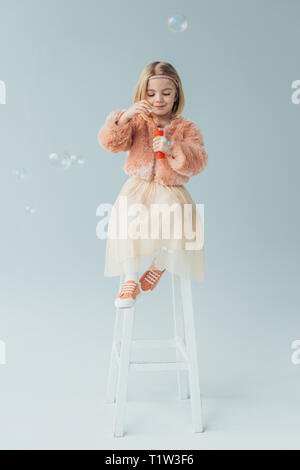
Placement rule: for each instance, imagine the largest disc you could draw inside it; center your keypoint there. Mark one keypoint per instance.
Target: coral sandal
(127, 296)
(149, 280)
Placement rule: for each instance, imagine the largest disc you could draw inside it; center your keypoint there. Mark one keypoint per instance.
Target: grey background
(66, 65)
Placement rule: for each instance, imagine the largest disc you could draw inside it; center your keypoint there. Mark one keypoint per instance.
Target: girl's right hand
(141, 107)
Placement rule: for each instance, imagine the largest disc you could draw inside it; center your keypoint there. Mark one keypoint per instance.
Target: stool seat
(184, 342)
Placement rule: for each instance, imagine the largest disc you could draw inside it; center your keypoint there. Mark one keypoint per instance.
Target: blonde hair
(157, 68)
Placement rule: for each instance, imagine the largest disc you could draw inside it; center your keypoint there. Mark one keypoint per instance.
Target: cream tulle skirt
(137, 233)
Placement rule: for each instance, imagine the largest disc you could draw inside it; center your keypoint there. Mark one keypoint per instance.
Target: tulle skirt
(150, 219)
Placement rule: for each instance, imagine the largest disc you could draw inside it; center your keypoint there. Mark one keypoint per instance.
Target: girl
(158, 166)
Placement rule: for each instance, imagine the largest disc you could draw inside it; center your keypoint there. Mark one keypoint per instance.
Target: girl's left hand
(160, 144)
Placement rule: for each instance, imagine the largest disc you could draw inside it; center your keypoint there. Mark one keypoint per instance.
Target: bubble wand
(158, 155)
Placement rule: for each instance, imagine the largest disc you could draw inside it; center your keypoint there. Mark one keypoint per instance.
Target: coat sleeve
(188, 156)
(115, 137)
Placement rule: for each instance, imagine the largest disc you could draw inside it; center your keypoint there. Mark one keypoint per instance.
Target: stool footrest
(176, 343)
(159, 365)
(153, 343)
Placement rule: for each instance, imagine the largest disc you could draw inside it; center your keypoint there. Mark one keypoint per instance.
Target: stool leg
(123, 375)
(113, 368)
(186, 292)
(182, 375)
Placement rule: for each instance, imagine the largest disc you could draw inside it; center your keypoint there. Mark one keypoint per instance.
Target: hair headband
(164, 76)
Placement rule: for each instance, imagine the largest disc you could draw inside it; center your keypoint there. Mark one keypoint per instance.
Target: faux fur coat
(188, 157)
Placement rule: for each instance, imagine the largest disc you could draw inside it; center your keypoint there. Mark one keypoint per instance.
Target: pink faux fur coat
(188, 156)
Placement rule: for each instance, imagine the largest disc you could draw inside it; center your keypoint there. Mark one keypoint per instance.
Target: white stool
(186, 362)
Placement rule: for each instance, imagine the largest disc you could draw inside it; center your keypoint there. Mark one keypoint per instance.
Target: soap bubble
(54, 159)
(77, 160)
(177, 23)
(66, 160)
(20, 174)
(30, 210)
(81, 161)
(60, 161)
